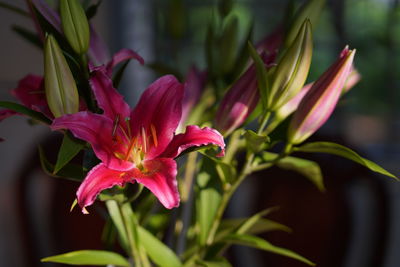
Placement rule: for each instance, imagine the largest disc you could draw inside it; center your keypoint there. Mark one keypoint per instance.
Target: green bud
(311, 10)
(292, 70)
(61, 92)
(75, 25)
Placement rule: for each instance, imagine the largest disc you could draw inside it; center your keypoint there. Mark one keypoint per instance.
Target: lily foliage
(169, 150)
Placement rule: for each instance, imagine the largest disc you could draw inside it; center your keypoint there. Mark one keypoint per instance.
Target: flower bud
(291, 72)
(75, 25)
(61, 92)
(318, 104)
(311, 10)
(238, 102)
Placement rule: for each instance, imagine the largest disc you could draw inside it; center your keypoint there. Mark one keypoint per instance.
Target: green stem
(264, 122)
(134, 253)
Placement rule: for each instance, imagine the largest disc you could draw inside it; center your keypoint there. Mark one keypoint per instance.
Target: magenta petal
(108, 98)
(98, 131)
(120, 56)
(98, 179)
(194, 136)
(160, 179)
(160, 108)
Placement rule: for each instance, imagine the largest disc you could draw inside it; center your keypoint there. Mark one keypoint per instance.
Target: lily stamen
(144, 140)
(154, 134)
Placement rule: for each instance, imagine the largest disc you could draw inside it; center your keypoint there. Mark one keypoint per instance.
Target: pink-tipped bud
(319, 103)
(238, 102)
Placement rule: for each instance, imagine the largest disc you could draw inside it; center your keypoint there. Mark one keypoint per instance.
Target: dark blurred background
(355, 223)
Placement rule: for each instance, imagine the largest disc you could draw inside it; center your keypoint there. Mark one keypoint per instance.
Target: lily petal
(108, 98)
(30, 92)
(121, 56)
(97, 180)
(160, 180)
(159, 111)
(194, 136)
(98, 130)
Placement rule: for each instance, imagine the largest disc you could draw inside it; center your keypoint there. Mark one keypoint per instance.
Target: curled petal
(194, 136)
(160, 178)
(121, 56)
(108, 98)
(158, 113)
(97, 180)
(99, 131)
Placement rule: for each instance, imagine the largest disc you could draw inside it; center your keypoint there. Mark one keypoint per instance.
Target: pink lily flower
(318, 104)
(135, 145)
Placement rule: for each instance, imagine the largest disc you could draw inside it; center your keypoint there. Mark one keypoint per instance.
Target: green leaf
(89, 257)
(73, 172)
(255, 142)
(250, 222)
(208, 193)
(262, 75)
(259, 243)
(117, 219)
(28, 35)
(26, 111)
(262, 225)
(342, 151)
(308, 168)
(70, 147)
(157, 250)
(218, 262)
(91, 11)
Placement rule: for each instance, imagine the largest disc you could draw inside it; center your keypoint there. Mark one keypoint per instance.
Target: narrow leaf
(26, 111)
(219, 262)
(70, 147)
(73, 172)
(115, 214)
(342, 151)
(28, 35)
(89, 257)
(157, 250)
(308, 168)
(259, 243)
(262, 76)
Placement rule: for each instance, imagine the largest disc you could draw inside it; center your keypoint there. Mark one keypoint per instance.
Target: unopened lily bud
(61, 92)
(75, 25)
(238, 103)
(291, 72)
(287, 109)
(310, 10)
(352, 80)
(319, 103)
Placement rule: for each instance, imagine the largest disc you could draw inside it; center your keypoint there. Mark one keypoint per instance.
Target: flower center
(138, 146)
